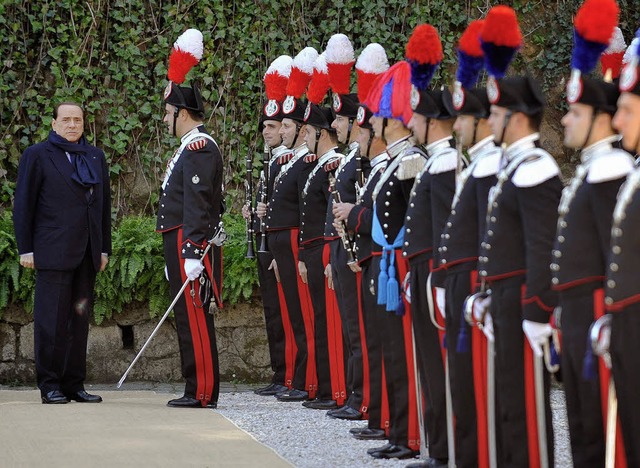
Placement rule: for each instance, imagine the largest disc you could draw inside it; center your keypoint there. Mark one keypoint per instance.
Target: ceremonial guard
(275, 82)
(322, 142)
(514, 256)
(283, 221)
(188, 216)
(349, 178)
(427, 212)
(372, 62)
(622, 287)
(459, 247)
(388, 100)
(583, 237)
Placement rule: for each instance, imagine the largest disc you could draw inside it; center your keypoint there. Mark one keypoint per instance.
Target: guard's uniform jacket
(459, 247)
(191, 195)
(278, 156)
(465, 228)
(522, 213)
(578, 266)
(391, 198)
(521, 219)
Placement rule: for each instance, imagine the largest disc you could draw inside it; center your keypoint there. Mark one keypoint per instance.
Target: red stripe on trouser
(384, 404)
(366, 395)
(199, 337)
(334, 337)
(480, 381)
(605, 376)
(311, 383)
(290, 348)
(413, 429)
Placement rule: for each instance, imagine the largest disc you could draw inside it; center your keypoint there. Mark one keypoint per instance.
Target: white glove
(192, 268)
(487, 327)
(480, 308)
(166, 272)
(440, 300)
(538, 334)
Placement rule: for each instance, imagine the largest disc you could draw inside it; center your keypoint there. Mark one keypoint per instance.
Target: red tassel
(470, 39)
(501, 27)
(424, 45)
(340, 77)
(275, 86)
(612, 62)
(596, 19)
(180, 62)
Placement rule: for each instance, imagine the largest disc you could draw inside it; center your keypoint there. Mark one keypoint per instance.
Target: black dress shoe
(293, 395)
(346, 412)
(83, 397)
(358, 430)
(54, 397)
(429, 463)
(188, 402)
(379, 449)
(370, 434)
(395, 451)
(272, 389)
(320, 404)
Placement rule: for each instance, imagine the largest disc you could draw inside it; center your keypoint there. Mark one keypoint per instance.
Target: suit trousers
(63, 305)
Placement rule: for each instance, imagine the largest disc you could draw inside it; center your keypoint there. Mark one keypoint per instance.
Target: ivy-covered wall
(111, 55)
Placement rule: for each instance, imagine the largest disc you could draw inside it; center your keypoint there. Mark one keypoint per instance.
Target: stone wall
(240, 330)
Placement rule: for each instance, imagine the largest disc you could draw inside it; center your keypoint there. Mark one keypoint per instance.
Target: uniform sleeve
(443, 188)
(106, 208)
(360, 219)
(198, 171)
(25, 199)
(538, 206)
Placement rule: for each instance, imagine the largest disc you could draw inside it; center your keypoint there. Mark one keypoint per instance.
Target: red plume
(319, 81)
(470, 39)
(501, 27)
(596, 19)
(424, 45)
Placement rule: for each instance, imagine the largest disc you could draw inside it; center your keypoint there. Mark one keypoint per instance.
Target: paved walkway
(128, 429)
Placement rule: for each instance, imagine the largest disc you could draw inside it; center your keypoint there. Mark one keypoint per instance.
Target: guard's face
(288, 132)
(464, 126)
(418, 125)
(576, 123)
(376, 123)
(496, 122)
(70, 123)
(310, 136)
(168, 117)
(627, 121)
(341, 125)
(270, 133)
(363, 139)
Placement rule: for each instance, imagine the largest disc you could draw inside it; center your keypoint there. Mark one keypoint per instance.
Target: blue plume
(422, 74)
(385, 100)
(586, 53)
(469, 69)
(497, 58)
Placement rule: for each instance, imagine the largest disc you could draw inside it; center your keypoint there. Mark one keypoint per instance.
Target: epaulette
(309, 158)
(197, 144)
(615, 165)
(411, 164)
(536, 169)
(285, 158)
(446, 161)
(332, 165)
(488, 164)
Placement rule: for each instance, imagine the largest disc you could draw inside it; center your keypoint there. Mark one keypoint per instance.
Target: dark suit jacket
(53, 216)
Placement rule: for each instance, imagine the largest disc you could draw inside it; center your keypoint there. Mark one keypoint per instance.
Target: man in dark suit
(62, 221)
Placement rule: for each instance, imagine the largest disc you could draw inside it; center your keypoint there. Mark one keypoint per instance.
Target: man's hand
(329, 274)
(355, 267)
(440, 300)
(487, 327)
(274, 266)
(341, 210)
(26, 260)
(104, 259)
(261, 209)
(192, 268)
(246, 212)
(302, 269)
(538, 334)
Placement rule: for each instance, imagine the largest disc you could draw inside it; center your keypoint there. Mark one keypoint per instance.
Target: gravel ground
(309, 439)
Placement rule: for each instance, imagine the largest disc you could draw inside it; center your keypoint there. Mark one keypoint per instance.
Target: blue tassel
(589, 372)
(400, 308)
(463, 340)
(555, 357)
(393, 290)
(383, 278)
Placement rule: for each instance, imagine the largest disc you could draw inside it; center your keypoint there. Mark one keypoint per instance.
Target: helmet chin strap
(426, 131)
(371, 135)
(350, 126)
(176, 112)
(315, 147)
(384, 127)
(476, 122)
